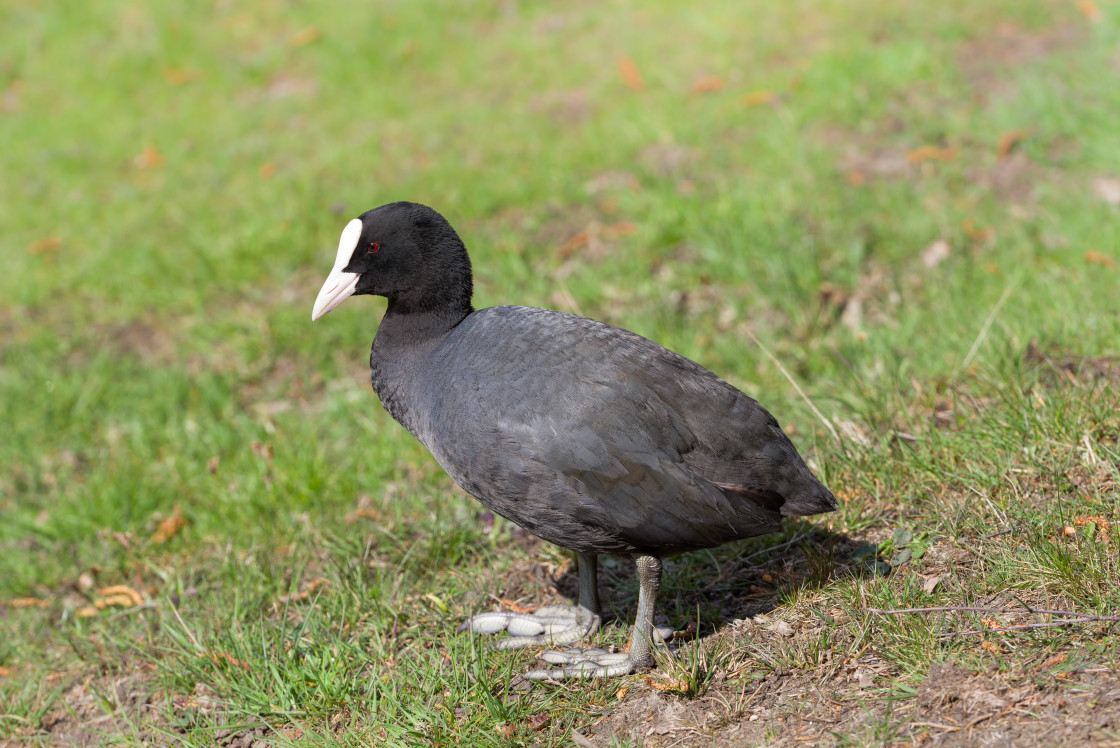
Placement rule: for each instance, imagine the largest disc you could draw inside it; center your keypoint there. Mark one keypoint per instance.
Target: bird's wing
(602, 449)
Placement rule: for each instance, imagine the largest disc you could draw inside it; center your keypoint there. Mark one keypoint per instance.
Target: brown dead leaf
(595, 240)
(267, 170)
(666, 684)
(263, 451)
(856, 177)
(759, 98)
(631, 76)
(87, 611)
(977, 233)
(5, 671)
(517, 608)
(179, 76)
(931, 153)
(212, 464)
(149, 158)
(621, 694)
(303, 595)
(113, 601)
(991, 647)
(363, 513)
(538, 721)
(50, 244)
(169, 527)
(28, 602)
(1089, 9)
(1009, 140)
(304, 36)
(622, 228)
(219, 658)
(1055, 660)
(574, 243)
(1100, 522)
(1100, 258)
(929, 584)
(707, 84)
(120, 594)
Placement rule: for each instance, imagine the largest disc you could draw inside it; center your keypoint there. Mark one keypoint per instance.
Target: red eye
(373, 247)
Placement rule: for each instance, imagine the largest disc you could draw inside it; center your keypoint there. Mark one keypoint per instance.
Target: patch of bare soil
(1011, 177)
(152, 343)
(952, 707)
(989, 61)
(572, 106)
(1062, 365)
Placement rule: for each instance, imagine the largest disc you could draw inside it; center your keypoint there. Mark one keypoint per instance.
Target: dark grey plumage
(589, 436)
(592, 437)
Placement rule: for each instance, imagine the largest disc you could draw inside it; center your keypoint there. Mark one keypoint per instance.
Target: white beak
(339, 285)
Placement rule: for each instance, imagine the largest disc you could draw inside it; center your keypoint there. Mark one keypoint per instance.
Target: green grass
(169, 208)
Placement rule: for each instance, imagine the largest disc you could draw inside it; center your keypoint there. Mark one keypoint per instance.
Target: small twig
(977, 720)
(993, 507)
(997, 534)
(568, 299)
(938, 725)
(1076, 618)
(827, 424)
(1029, 608)
(1090, 454)
(778, 547)
(984, 330)
(1019, 626)
(974, 609)
(956, 728)
(187, 630)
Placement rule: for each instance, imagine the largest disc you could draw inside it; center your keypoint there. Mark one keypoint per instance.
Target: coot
(589, 436)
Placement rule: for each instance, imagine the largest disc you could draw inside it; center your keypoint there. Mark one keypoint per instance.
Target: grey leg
(589, 582)
(550, 625)
(649, 587)
(598, 663)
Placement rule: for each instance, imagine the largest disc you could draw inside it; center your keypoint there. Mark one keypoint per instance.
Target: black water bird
(589, 436)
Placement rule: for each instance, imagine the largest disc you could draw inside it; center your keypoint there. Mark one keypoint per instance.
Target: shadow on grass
(704, 590)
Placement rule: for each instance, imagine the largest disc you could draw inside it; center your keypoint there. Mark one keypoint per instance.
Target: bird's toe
(583, 663)
(550, 625)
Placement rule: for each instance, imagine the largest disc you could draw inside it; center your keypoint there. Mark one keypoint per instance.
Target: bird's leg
(552, 624)
(589, 583)
(649, 587)
(599, 663)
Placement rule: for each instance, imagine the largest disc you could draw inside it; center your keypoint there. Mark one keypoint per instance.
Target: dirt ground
(953, 707)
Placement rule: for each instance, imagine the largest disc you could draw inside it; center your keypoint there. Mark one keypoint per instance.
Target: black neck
(405, 325)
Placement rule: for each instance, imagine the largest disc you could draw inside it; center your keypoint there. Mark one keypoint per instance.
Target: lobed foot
(598, 663)
(567, 624)
(550, 625)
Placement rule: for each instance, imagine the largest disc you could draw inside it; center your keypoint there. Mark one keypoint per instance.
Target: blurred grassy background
(894, 200)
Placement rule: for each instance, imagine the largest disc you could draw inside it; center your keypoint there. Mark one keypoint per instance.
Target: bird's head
(404, 251)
